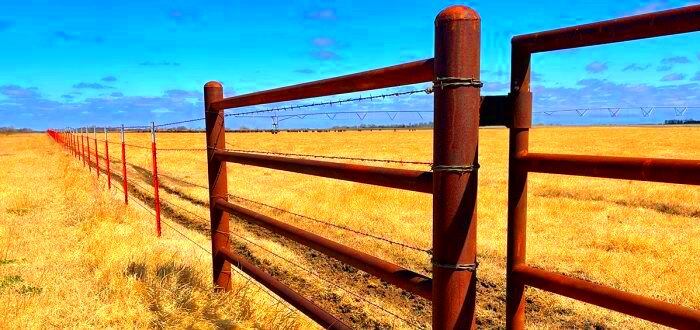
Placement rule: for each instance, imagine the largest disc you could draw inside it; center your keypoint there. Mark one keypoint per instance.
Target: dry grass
(639, 237)
(73, 257)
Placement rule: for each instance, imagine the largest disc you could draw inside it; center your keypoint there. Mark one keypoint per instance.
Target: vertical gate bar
(124, 180)
(455, 159)
(87, 141)
(82, 144)
(97, 154)
(218, 188)
(156, 200)
(109, 173)
(521, 103)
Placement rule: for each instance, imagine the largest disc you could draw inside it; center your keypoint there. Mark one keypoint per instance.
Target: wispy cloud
(697, 76)
(323, 42)
(675, 60)
(322, 14)
(109, 79)
(18, 92)
(117, 94)
(161, 63)
(596, 67)
(304, 71)
(325, 55)
(636, 67)
(673, 77)
(663, 68)
(86, 85)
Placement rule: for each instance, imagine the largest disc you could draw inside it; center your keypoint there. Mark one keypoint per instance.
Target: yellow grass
(635, 236)
(71, 256)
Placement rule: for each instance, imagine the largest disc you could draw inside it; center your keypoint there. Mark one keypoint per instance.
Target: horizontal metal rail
(419, 181)
(323, 318)
(391, 273)
(393, 76)
(663, 23)
(628, 168)
(639, 306)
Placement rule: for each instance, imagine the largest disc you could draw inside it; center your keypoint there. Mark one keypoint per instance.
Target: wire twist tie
(457, 267)
(456, 82)
(456, 168)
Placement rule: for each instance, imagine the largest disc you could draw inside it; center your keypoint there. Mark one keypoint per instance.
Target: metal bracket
(456, 82)
(456, 168)
(457, 267)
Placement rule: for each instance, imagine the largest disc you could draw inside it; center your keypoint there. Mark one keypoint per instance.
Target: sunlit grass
(635, 236)
(73, 256)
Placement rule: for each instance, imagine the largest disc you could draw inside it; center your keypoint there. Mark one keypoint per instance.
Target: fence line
(453, 179)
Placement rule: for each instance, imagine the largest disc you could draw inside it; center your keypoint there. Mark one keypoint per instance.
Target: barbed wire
(386, 240)
(331, 103)
(266, 290)
(286, 260)
(615, 111)
(379, 160)
(180, 122)
(356, 295)
(332, 115)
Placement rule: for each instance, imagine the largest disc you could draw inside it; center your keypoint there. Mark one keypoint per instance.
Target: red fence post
(82, 144)
(124, 181)
(455, 151)
(517, 186)
(97, 155)
(218, 188)
(156, 200)
(109, 172)
(89, 157)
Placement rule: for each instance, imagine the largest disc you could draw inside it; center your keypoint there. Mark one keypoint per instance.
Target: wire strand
(331, 103)
(404, 245)
(323, 279)
(378, 160)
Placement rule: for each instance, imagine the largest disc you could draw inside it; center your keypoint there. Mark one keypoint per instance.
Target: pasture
(635, 236)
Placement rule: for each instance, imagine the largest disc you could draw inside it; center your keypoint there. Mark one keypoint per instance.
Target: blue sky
(74, 63)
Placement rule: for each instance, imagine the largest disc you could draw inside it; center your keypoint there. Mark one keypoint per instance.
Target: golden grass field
(71, 256)
(635, 236)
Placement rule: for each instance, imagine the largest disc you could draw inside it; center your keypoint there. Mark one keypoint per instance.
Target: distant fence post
(156, 201)
(82, 144)
(216, 139)
(124, 181)
(455, 150)
(97, 154)
(87, 141)
(109, 173)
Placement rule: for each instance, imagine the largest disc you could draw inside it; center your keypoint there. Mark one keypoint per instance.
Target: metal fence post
(218, 189)
(124, 180)
(156, 198)
(455, 151)
(521, 103)
(97, 154)
(87, 141)
(109, 173)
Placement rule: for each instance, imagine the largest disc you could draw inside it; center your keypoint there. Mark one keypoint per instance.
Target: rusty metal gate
(459, 110)
(521, 162)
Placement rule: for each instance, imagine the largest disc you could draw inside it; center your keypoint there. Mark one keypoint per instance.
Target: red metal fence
(459, 110)
(519, 274)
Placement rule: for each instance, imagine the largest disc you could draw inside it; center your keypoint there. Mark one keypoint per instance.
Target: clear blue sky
(72, 63)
